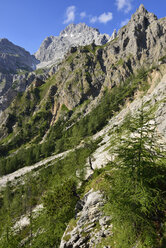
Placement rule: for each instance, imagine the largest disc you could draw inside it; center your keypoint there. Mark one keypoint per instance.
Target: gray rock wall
(90, 224)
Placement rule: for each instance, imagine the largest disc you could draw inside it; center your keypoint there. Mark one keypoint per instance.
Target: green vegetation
(60, 137)
(39, 71)
(45, 87)
(137, 195)
(133, 184)
(163, 59)
(119, 62)
(54, 186)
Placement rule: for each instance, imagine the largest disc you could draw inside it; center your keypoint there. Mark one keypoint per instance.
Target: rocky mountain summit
(14, 60)
(143, 36)
(54, 48)
(92, 68)
(135, 45)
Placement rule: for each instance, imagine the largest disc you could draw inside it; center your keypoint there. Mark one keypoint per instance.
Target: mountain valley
(83, 138)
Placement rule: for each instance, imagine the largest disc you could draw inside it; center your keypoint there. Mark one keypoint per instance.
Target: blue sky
(28, 22)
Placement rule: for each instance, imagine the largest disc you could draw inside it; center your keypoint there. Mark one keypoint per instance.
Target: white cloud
(93, 19)
(83, 14)
(124, 5)
(123, 23)
(70, 14)
(103, 18)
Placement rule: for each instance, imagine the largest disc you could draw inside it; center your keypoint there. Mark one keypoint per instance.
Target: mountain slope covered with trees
(95, 124)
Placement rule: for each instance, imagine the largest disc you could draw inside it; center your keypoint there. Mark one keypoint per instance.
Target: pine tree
(138, 179)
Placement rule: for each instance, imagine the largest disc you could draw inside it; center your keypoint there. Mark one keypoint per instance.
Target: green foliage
(20, 159)
(64, 108)
(163, 59)
(60, 201)
(72, 224)
(39, 71)
(45, 87)
(60, 137)
(67, 237)
(119, 62)
(137, 195)
(57, 183)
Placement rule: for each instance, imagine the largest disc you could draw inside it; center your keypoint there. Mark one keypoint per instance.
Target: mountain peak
(141, 12)
(54, 48)
(142, 9)
(77, 28)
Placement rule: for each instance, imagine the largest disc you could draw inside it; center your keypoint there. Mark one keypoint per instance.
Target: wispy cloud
(123, 23)
(125, 5)
(70, 14)
(93, 19)
(83, 14)
(103, 18)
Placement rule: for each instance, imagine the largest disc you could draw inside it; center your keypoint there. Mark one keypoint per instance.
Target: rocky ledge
(90, 226)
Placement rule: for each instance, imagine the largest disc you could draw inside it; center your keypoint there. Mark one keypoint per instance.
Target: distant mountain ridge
(54, 48)
(14, 62)
(142, 39)
(13, 58)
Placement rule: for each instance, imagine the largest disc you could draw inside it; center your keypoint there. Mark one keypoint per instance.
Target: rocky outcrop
(90, 225)
(18, 83)
(54, 48)
(114, 35)
(15, 65)
(143, 38)
(13, 58)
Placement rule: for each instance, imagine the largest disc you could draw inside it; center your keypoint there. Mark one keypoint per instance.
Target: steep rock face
(135, 46)
(143, 37)
(90, 224)
(13, 58)
(54, 48)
